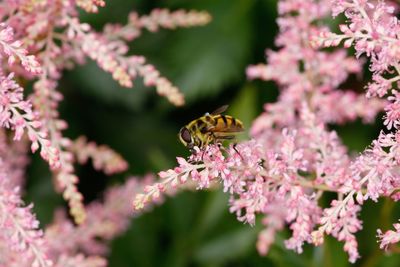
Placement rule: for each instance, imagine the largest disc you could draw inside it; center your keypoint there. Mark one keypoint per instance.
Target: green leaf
(228, 246)
(40, 191)
(244, 107)
(215, 207)
(214, 56)
(96, 83)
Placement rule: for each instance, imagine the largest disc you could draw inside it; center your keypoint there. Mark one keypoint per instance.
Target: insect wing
(224, 136)
(220, 110)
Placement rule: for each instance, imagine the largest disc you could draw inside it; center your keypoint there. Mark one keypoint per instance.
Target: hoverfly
(210, 128)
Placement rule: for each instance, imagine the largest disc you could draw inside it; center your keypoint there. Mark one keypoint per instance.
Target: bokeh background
(208, 64)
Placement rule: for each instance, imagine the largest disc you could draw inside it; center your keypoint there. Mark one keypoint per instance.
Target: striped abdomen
(226, 123)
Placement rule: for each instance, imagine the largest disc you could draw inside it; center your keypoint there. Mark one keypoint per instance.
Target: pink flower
(13, 50)
(90, 5)
(38, 41)
(293, 157)
(19, 226)
(103, 157)
(17, 114)
(389, 237)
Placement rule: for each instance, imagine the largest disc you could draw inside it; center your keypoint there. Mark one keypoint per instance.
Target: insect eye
(185, 134)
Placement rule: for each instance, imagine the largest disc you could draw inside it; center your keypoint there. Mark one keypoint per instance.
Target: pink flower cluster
(38, 41)
(19, 227)
(15, 112)
(105, 220)
(293, 157)
(373, 30)
(279, 175)
(104, 158)
(52, 30)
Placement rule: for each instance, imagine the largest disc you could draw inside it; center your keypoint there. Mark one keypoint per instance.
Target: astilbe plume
(105, 220)
(373, 30)
(38, 41)
(66, 243)
(52, 30)
(293, 156)
(104, 158)
(16, 113)
(20, 233)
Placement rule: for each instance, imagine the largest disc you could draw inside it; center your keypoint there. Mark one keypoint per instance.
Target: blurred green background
(208, 64)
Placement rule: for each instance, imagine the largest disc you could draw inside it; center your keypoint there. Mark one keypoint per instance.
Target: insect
(210, 128)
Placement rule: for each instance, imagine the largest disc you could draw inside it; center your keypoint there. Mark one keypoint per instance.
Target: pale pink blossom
(81, 261)
(105, 220)
(51, 38)
(90, 5)
(17, 114)
(12, 49)
(372, 28)
(158, 18)
(103, 157)
(20, 228)
(39, 40)
(340, 221)
(110, 52)
(389, 237)
(291, 160)
(274, 222)
(293, 157)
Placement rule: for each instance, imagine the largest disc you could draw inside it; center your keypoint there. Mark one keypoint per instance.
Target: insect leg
(228, 137)
(220, 138)
(234, 147)
(208, 140)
